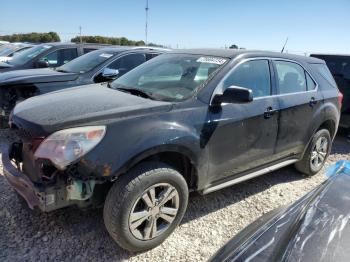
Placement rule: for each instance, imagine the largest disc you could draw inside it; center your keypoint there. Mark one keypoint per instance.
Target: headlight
(65, 146)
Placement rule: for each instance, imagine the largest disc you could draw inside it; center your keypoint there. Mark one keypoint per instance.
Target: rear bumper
(34, 196)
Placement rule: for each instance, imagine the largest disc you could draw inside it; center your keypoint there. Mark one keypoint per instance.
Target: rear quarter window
(325, 73)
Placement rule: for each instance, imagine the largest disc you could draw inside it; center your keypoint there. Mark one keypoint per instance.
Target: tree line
(53, 37)
(32, 37)
(111, 40)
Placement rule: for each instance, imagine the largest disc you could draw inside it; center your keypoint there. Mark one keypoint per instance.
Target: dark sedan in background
(48, 55)
(95, 67)
(315, 228)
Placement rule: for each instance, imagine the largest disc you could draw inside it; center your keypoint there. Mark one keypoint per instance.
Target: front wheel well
(178, 161)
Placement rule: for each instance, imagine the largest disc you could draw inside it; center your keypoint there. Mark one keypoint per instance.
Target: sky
(310, 25)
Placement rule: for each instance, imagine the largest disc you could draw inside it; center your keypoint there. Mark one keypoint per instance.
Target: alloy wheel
(154, 211)
(319, 153)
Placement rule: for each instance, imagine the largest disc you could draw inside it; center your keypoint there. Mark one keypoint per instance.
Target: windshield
(86, 62)
(28, 54)
(6, 51)
(170, 77)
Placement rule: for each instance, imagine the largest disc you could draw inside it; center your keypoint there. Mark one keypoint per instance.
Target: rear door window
(311, 85)
(60, 57)
(127, 63)
(290, 77)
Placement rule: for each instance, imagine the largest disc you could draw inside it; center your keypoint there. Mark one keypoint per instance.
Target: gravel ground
(210, 221)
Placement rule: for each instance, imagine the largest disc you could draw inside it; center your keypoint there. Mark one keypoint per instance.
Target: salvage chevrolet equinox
(192, 120)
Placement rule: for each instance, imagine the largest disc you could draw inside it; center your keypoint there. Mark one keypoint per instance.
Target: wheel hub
(319, 153)
(154, 211)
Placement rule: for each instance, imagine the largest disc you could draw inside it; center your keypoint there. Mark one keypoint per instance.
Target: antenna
(80, 34)
(284, 45)
(146, 26)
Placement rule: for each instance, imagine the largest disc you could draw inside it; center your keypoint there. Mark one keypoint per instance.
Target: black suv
(97, 66)
(191, 120)
(339, 65)
(47, 55)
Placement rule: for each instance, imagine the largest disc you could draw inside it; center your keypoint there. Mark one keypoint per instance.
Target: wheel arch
(329, 124)
(178, 157)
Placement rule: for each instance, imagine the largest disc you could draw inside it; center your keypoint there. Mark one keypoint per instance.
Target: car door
(243, 136)
(299, 100)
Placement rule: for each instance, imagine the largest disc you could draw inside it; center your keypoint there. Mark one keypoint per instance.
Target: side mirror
(234, 94)
(109, 73)
(41, 64)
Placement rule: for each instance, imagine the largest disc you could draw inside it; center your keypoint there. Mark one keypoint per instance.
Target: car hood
(30, 76)
(315, 228)
(83, 105)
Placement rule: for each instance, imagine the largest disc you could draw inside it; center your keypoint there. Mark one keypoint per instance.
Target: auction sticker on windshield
(211, 60)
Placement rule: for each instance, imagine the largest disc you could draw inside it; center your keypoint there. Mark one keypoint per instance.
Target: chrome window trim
(268, 59)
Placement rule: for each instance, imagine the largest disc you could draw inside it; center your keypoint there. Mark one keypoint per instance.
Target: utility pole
(80, 34)
(146, 26)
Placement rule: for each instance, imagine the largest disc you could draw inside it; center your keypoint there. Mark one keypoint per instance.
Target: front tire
(316, 153)
(145, 205)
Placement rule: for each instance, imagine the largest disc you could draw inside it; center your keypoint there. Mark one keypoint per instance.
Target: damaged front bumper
(33, 195)
(46, 198)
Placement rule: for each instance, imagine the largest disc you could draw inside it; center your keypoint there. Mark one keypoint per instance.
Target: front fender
(139, 140)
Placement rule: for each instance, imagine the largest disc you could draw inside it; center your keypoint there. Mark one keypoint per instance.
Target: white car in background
(4, 42)
(7, 51)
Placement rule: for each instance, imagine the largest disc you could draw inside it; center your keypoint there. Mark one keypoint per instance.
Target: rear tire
(316, 154)
(135, 213)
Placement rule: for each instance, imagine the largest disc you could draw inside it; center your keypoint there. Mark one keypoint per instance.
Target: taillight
(340, 100)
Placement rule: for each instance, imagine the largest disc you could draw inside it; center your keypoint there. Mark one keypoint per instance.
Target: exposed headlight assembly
(65, 146)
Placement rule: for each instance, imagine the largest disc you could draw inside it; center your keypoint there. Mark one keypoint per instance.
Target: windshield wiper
(135, 91)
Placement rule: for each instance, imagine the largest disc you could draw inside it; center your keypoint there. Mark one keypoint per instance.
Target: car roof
(233, 53)
(73, 44)
(325, 54)
(118, 49)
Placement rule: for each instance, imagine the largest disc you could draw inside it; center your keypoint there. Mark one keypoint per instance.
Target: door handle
(312, 102)
(269, 112)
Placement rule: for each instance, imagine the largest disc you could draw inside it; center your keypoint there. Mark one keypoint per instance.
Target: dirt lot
(209, 222)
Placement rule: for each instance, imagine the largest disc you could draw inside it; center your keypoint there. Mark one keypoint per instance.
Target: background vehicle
(95, 67)
(188, 120)
(339, 65)
(313, 228)
(3, 42)
(47, 55)
(9, 50)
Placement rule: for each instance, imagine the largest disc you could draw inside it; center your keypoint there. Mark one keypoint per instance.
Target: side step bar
(249, 176)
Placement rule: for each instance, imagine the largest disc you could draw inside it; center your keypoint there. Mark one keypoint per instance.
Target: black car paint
(314, 228)
(221, 143)
(5, 67)
(47, 80)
